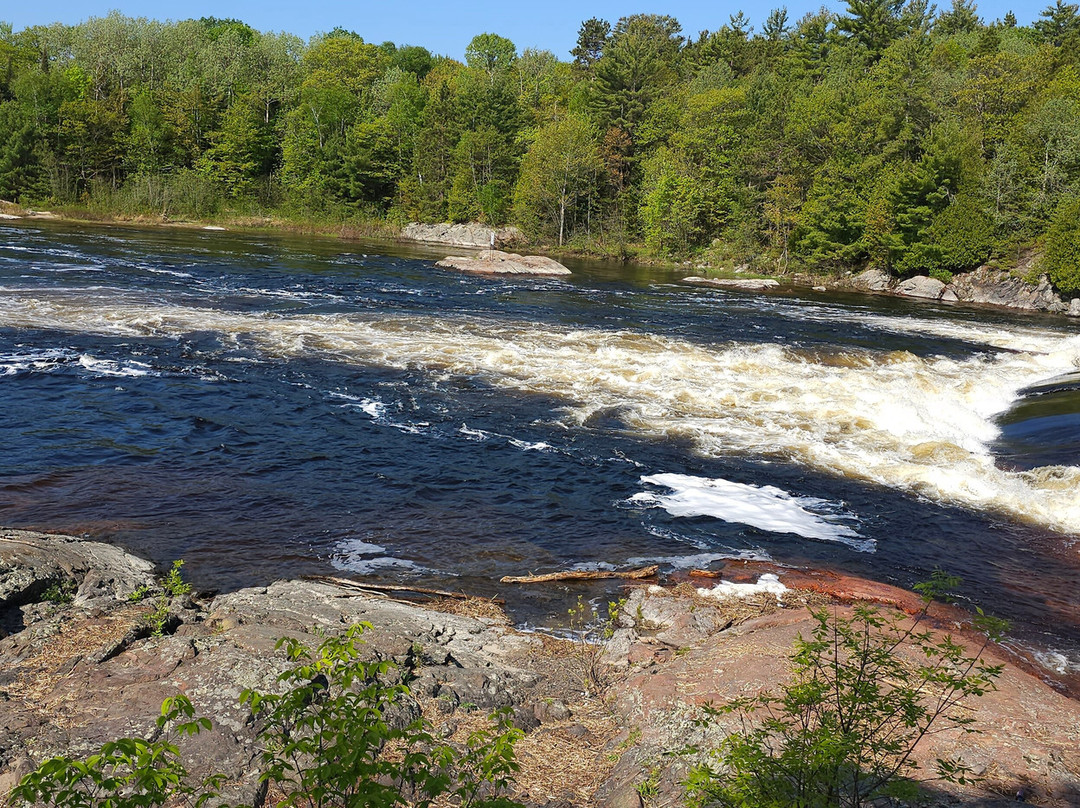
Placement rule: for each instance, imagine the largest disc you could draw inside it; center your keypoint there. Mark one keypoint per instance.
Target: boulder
(747, 284)
(1000, 288)
(31, 563)
(471, 234)
(496, 262)
(921, 286)
(872, 280)
(1074, 307)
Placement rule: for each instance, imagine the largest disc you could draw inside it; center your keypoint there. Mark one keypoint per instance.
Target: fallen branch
(706, 573)
(419, 590)
(581, 575)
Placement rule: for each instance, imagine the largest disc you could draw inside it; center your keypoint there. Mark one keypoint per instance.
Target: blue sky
(444, 27)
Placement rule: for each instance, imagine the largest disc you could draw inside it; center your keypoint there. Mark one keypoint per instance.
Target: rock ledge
(496, 262)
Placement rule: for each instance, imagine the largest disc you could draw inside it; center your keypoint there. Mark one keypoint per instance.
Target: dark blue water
(354, 409)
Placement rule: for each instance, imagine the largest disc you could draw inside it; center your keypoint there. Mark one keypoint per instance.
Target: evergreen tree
(591, 41)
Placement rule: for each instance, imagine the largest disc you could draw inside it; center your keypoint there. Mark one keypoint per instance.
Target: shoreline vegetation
(889, 136)
(1022, 288)
(94, 641)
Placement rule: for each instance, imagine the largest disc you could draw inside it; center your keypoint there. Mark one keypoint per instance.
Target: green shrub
(325, 738)
(126, 773)
(842, 733)
(333, 738)
(172, 586)
(1061, 261)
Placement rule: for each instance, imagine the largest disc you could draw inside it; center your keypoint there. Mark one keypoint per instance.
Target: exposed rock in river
(496, 262)
(749, 284)
(471, 234)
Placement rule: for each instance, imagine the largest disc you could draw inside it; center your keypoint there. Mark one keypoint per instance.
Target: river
(266, 406)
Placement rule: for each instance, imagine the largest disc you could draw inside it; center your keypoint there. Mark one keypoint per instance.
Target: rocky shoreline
(84, 668)
(984, 286)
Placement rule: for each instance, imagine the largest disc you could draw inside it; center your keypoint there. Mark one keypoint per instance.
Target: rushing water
(267, 406)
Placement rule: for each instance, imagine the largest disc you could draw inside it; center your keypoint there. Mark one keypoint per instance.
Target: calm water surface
(267, 407)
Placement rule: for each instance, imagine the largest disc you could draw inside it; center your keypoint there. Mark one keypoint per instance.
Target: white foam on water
(34, 359)
(764, 507)
(696, 561)
(369, 406)
(109, 367)
(921, 425)
(474, 434)
(378, 564)
(1058, 661)
(526, 446)
(359, 556)
(767, 584)
(49, 359)
(176, 273)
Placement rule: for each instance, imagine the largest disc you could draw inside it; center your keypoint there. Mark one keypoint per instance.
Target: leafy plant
(172, 586)
(60, 593)
(333, 738)
(843, 732)
(139, 594)
(126, 773)
(336, 737)
(590, 633)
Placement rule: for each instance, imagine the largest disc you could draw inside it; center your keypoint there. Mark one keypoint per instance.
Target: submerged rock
(496, 262)
(749, 284)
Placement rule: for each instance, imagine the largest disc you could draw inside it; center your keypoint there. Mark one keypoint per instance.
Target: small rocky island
(497, 262)
(81, 665)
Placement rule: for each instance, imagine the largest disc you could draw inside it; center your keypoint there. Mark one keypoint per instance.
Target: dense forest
(889, 135)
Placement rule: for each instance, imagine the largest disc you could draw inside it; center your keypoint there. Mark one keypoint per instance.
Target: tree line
(889, 135)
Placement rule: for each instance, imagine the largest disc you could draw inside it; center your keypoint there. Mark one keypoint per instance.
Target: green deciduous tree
(1061, 260)
(843, 732)
(559, 175)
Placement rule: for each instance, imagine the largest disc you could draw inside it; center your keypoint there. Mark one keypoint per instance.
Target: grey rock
(1000, 288)
(496, 262)
(471, 234)
(623, 796)
(31, 563)
(747, 284)
(921, 286)
(116, 690)
(551, 710)
(525, 719)
(872, 280)
(1074, 307)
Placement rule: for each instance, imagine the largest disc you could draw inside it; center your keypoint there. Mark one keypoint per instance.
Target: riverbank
(80, 666)
(1021, 288)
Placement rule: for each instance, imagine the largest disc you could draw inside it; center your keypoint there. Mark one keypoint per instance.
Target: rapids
(271, 406)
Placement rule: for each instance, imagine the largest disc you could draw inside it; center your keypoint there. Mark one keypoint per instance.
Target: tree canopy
(887, 134)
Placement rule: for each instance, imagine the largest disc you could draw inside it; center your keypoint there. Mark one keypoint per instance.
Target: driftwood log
(581, 575)
(419, 590)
